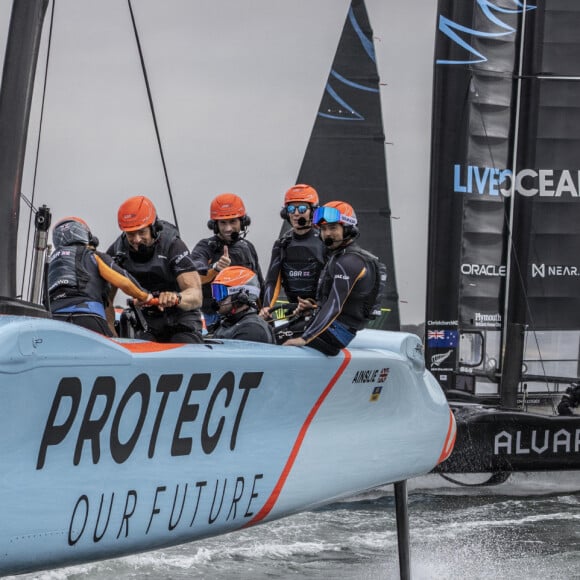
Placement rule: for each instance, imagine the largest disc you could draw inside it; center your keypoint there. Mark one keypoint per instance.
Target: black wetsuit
(208, 251)
(246, 325)
(346, 289)
(157, 269)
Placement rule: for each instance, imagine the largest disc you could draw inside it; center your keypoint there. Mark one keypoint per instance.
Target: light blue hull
(114, 447)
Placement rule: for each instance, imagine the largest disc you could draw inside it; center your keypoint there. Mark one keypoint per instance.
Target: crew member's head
(338, 224)
(300, 202)
(228, 218)
(235, 289)
(138, 219)
(71, 231)
(573, 391)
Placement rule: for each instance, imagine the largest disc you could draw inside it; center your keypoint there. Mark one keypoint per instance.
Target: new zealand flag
(442, 338)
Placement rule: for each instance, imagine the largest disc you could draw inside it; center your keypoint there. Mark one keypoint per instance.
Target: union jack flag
(383, 375)
(442, 338)
(435, 334)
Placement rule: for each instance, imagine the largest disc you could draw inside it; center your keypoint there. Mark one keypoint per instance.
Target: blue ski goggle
(331, 215)
(220, 292)
(302, 208)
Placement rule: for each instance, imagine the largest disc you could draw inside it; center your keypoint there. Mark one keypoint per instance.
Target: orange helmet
(301, 193)
(227, 206)
(136, 213)
(335, 212)
(238, 282)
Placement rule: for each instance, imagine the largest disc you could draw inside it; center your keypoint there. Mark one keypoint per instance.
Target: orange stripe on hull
(271, 501)
(449, 440)
(142, 347)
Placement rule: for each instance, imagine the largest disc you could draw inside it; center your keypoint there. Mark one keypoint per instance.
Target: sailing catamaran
(503, 304)
(115, 446)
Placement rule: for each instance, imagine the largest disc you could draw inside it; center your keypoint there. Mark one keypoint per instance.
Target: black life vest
(241, 252)
(364, 302)
(153, 273)
(73, 278)
(302, 259)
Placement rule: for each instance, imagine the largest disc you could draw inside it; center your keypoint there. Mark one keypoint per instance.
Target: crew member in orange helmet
(227, 247)
(298, 256)
(349, 287)
(79, 278)
(152, 251)
(235, 292)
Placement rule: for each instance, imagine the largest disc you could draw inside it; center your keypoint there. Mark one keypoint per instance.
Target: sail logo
(487, 320)
(471, 179)
(554, 271)
(438, 359)
(334, 106)
(492, 270)
(455, 30)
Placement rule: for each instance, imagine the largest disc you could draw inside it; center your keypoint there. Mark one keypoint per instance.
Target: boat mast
(20, 60)
(514, 315)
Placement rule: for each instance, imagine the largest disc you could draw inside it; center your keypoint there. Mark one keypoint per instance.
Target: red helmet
(227, 206)
(301, 193)
(136, 213)
(335, 212)
(238, 282)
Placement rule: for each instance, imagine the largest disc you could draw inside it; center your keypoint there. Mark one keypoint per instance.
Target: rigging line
(512, 253)
(512, 199)
(532, 325)
(517, 265)
(516, 261)
(151, 106)
(30, 202)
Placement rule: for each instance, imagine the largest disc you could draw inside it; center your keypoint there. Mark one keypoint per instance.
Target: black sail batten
(503, 280)
(345, 157)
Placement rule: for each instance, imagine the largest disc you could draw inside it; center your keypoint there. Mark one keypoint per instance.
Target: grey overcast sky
(236, 85)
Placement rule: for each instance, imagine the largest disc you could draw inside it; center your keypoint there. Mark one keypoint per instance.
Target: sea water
(470, 533)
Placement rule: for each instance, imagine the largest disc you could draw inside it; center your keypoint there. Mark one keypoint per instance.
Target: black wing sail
(546, 211)
(506, 119)
(345, 156)
(472, 116)
(550, 137)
